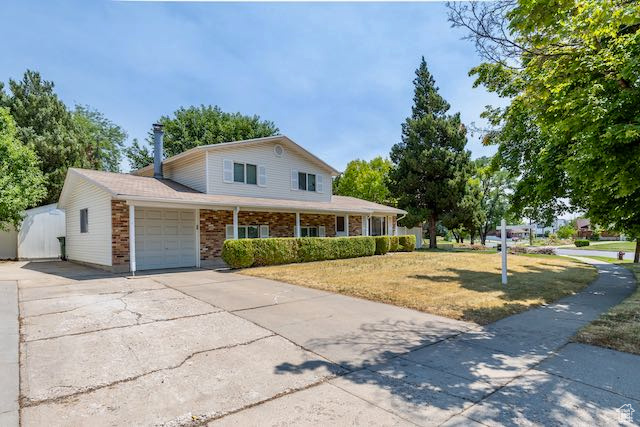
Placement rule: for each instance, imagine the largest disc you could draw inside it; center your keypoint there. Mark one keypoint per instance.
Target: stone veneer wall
(213, 226)
(355, 225)
(119, 233)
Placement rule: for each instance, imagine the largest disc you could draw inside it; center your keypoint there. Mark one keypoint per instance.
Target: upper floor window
(245, 173)
(306, 181)
(84, 220)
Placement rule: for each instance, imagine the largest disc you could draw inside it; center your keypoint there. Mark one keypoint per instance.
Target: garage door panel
(165, 238)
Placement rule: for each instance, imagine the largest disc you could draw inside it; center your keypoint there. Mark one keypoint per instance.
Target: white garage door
(165, 238)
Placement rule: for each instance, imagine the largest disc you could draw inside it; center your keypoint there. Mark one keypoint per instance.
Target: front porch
(149, 236)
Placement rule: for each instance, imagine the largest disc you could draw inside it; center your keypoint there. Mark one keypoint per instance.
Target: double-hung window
(306, 181)
(245, 173)
(308, 231)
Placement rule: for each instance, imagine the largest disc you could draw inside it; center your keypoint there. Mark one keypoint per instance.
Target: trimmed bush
(581, 242)
(275, 251)
(394, 244)
(238, 253)
(407, 243)
(382, 245)
(244, 253)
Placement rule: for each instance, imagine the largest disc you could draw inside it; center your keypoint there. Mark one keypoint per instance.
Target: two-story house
(178, 211)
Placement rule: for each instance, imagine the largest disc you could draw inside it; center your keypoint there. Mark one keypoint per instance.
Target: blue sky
(336, 78)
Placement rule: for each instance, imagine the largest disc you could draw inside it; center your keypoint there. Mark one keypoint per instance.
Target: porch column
(132, 239)
(346, 224)
(297, 231)
(197, 238)
(365, 225)
(235, 222)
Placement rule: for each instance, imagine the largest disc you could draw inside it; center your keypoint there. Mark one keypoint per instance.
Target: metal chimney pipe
(158, 133)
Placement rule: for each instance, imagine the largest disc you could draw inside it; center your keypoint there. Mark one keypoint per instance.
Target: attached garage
(165, 238)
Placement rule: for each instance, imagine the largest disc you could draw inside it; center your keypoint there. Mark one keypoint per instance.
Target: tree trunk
(432, 232)
(473, 237)
(636, 258)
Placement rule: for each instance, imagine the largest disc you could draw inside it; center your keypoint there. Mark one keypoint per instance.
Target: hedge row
(580, 243)
(244, 253)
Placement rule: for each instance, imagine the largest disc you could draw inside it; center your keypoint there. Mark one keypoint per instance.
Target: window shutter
(229, 231)
(294, 179)
(319, 184)
(321, 232)
(264, 231)
(262, 176)
(227, 170)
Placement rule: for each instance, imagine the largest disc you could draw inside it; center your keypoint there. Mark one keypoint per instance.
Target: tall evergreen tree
(431, 164)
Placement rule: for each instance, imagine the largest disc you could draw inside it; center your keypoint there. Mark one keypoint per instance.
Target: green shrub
(394, 245)
(258, 252)
(382, 245)
(407, 243)
(275, 251)
(238, 253)
(581, 242)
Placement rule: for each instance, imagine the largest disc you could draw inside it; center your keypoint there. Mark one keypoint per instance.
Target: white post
(235, 222)
(346, 225)
(197, 238)
(298, 231)
(365, 225)
(132, 239)
(503, 237)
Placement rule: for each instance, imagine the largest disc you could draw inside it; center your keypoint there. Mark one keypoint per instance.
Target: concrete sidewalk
(520, 370)
(9, 368)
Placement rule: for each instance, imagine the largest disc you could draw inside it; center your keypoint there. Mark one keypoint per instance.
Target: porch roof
(152, 190)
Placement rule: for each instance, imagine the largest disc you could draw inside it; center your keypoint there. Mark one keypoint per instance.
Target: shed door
(165, 238)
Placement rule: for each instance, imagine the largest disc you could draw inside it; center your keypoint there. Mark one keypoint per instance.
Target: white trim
(321, 231)
(261, 232)
(197, 221)
(319, 183)
(206, 171)
(297, 229)
(294, 180)
(227, 171)
(262, 173)
(132, 239)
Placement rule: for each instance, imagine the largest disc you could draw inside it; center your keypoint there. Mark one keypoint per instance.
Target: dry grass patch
(619, 328)
(459, 285)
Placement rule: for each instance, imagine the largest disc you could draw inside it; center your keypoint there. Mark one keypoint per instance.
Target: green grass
(619, 328)
(608, 259)
(611, 246)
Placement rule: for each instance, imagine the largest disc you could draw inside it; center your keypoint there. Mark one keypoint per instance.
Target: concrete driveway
(205, 347)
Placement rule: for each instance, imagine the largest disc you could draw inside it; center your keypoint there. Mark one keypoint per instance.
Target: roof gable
(281, 139)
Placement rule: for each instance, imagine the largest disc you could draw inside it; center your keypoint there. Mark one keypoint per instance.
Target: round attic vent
(278, 150)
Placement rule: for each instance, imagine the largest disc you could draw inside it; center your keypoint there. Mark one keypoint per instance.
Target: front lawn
(610, 246)
(619, 328)
(459, 285)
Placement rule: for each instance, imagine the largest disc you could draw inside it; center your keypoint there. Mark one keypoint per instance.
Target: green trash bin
(63, 248)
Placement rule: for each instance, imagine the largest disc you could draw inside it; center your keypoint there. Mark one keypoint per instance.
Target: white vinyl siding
(189, 172)
(94, 246)
(278, 176)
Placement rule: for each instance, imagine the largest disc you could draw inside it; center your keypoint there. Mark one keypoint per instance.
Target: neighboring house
(544, 230)
(515, 232)
(178, 212)
(38, 235)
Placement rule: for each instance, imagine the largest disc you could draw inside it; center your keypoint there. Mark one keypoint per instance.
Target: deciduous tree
(203, 125)
(571, 72)
(365, 180)
(21, 181)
